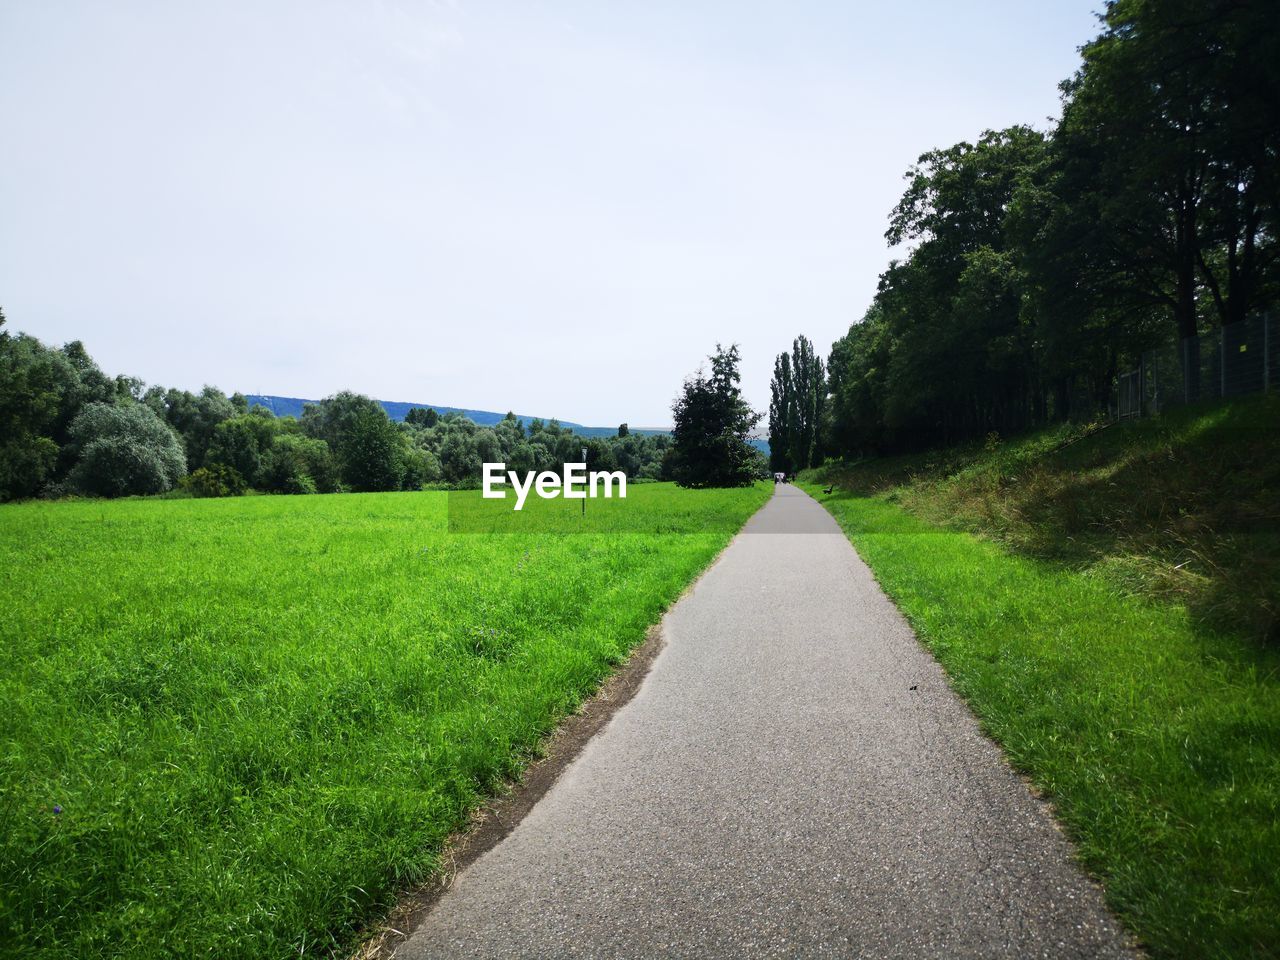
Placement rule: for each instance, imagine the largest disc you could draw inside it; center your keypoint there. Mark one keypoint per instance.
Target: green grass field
(234, 728)
(1146, 707)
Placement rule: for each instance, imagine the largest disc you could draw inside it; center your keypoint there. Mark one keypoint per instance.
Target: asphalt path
(793, 778)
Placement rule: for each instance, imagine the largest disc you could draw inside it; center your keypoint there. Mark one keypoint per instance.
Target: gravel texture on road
(794, 778)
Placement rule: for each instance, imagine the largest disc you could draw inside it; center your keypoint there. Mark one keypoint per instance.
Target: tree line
(1042, 264)
(67, 428)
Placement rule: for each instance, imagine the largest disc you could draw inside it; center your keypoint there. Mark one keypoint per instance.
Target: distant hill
(292, 407)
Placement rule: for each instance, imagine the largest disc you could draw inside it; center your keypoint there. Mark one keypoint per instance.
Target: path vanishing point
(794, 778)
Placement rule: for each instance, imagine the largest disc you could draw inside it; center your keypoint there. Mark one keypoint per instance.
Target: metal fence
(1228, 362)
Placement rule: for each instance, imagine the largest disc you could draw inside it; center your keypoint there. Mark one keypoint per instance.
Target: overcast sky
(554, 207)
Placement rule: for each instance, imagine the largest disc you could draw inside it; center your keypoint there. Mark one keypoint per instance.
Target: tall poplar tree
(798, 397)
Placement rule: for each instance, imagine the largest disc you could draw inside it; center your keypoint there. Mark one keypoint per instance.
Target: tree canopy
(1041, 264)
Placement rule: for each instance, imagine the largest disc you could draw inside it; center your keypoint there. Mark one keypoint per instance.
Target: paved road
(777, 788)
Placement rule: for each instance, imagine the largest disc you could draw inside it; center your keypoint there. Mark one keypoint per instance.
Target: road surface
(794, 778)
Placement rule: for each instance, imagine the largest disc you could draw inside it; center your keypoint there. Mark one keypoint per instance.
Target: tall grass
(233, 728)
(1183, 508)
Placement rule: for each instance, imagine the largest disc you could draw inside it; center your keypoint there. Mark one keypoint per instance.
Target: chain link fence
(1228, 362)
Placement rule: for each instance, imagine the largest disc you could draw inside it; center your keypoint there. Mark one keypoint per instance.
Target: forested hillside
(397, 410)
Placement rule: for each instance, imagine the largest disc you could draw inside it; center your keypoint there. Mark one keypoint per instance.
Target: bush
(216, 480)
(298, 464)
(242, 443)
(420, 468)
(123, 449)
(25, 463)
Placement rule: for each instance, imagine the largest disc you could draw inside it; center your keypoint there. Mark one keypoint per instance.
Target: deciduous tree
(710, 445)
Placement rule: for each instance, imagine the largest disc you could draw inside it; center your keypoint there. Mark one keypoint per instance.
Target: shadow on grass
(1184, 507)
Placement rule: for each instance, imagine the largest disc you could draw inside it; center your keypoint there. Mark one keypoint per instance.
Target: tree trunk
(1184, 310)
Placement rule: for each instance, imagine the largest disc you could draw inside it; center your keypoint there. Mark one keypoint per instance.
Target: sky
(553, 207)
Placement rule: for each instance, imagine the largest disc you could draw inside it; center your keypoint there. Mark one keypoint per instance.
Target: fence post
(1266, 351)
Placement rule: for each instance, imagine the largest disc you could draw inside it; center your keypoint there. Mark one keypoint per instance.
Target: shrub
(420, 467)
(25, 462)
(242, 443)
(215, 480)
(123, 449)
(298, 464)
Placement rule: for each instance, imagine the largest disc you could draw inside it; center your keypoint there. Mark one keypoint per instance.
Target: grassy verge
(1151, 720)
(233, 728)
(1183, 508)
